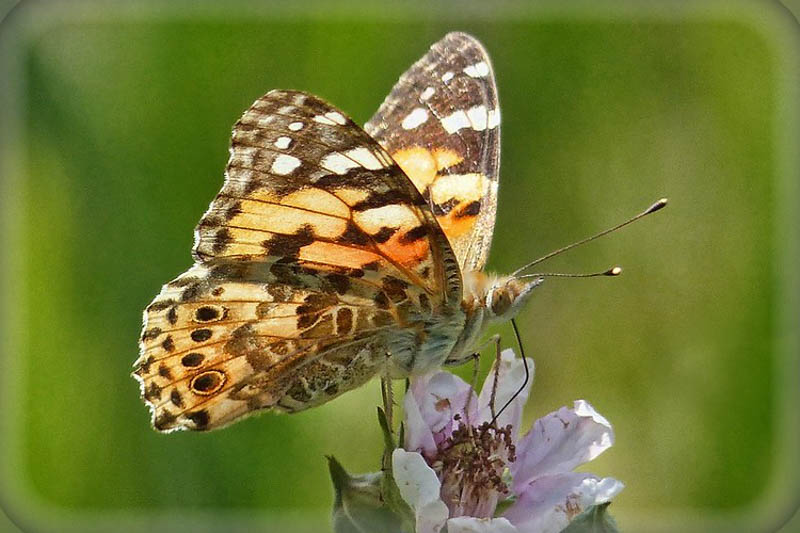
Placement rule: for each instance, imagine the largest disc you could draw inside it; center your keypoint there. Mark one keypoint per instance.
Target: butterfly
(333, 253)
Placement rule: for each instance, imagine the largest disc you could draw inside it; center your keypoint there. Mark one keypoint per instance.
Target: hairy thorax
(449, 337)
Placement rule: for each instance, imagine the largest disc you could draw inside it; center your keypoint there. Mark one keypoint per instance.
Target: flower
(456, 466)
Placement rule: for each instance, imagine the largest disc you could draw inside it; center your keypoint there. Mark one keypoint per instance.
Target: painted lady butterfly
(333, 253)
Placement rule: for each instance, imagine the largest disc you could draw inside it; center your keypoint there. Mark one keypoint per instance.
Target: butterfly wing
(317, 251)
(441, 123)
(224, 340)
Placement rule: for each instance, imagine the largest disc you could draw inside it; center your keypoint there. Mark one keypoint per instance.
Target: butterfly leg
(496, 377)
(387, 394)
(476, 357)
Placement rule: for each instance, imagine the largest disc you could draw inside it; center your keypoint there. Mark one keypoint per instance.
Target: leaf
(358, 506)
(595, 519)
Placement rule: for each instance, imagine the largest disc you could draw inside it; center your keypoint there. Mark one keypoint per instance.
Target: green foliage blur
(122, 122)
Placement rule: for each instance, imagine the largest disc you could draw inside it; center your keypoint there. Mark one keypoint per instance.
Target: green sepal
(358, 505)
(595, 519)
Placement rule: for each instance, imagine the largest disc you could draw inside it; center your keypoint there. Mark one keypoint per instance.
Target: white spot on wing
(447, 76)
(336, 117)
(464, 187)
(339, 163)
(331, 118)
(427, 93)
(283, 142)
(414, 119)
(455, 121)
(285, 164)
(478, 117)
(372, 220)
(478, 70)
(296, 126)
(494, 118)
(365, 158)
(266, 120)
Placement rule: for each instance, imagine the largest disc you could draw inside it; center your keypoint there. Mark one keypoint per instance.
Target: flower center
(470, 464)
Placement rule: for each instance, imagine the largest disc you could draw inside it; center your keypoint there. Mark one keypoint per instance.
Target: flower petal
(559, 442)
(419, 487)
(469, 524)
(440, 397)
(509, 381)
(549, 503)
(418, 436)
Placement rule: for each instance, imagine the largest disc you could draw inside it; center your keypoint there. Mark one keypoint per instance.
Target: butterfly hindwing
(226, 339)
(440, 123)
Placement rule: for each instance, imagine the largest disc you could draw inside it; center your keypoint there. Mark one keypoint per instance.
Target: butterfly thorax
(487, 298)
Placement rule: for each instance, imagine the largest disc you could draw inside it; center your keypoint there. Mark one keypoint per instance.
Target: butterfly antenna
(613, 271)
(652, 209)
(524, 382)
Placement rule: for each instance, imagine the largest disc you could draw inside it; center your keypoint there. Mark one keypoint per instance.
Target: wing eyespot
(208, 382)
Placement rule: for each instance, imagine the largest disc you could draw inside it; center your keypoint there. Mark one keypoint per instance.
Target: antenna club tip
(616, 271)
(659, 204)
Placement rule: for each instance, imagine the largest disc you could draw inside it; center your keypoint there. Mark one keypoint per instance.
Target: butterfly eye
(208, 382)
(501, 302)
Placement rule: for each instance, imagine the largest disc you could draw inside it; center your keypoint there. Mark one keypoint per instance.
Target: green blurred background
(115, 141)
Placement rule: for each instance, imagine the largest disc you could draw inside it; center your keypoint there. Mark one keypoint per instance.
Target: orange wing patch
(422, 165)
(455, 198)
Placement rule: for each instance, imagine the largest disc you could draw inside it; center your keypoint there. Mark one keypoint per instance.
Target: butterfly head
(506, 296)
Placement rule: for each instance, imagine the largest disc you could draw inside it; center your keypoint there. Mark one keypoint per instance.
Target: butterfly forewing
(315, 255)
(304, 180)
(441, 125)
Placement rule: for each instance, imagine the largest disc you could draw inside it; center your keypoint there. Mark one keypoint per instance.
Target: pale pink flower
(456, 467)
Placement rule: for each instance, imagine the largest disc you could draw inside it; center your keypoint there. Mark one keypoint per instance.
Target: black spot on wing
(384, 234)
(164, 372)
(175, 398)
(470, 210)
(201, 335)
(289, 245)
(165, 420)
(192, 359)
(414, 234)
(445, 207)
(168, 344)
(172, 315)
(354, 235)
(200, 419)
(222, 238)
(380, 199)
